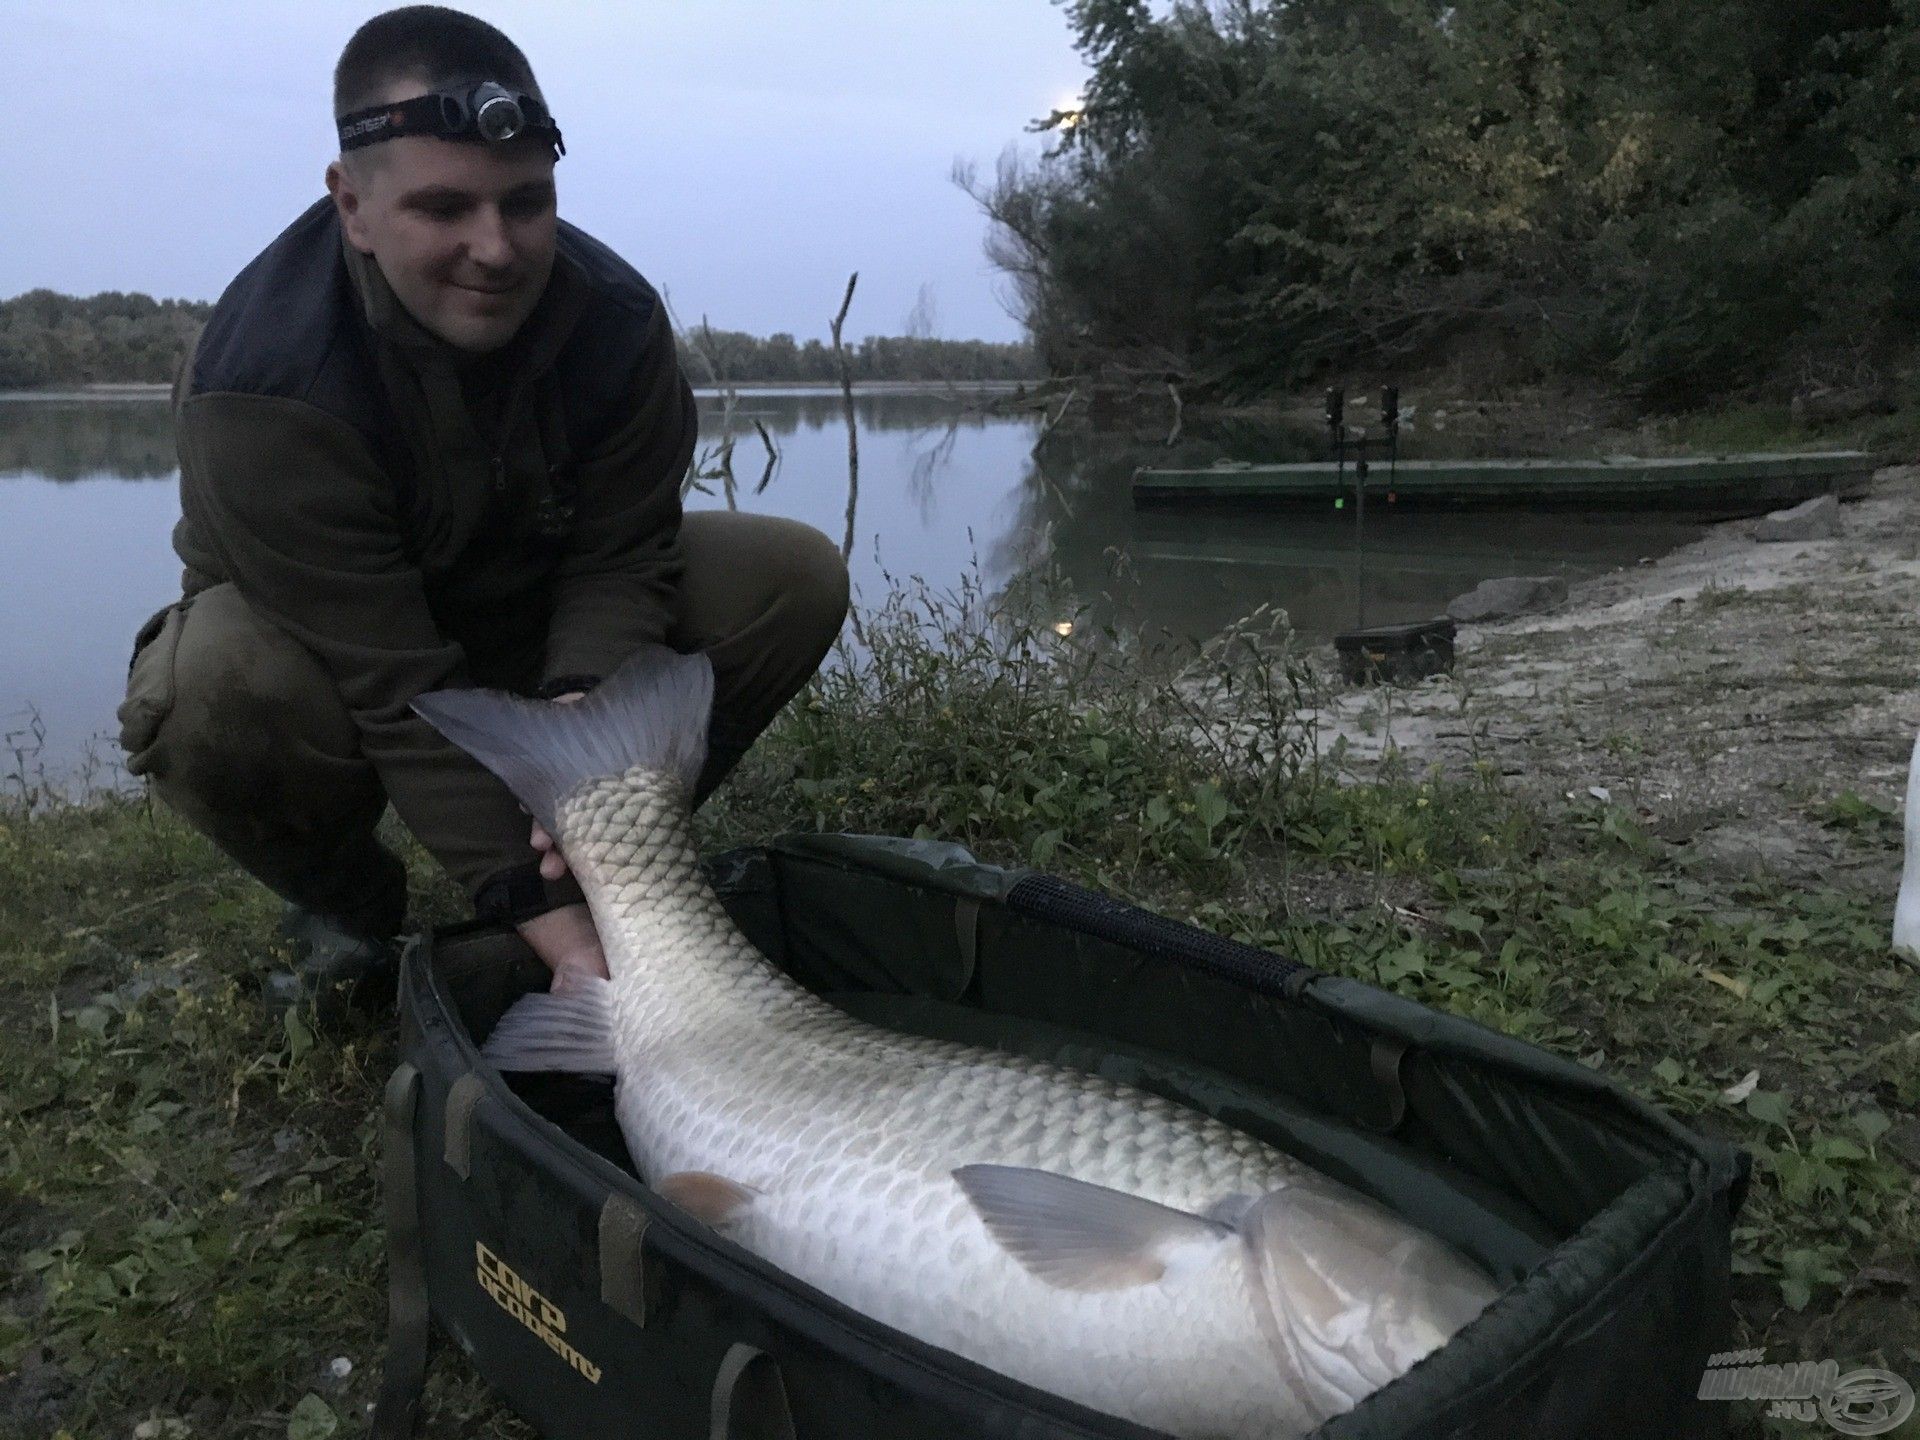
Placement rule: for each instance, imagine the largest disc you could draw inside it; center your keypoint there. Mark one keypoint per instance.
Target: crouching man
(432, 437)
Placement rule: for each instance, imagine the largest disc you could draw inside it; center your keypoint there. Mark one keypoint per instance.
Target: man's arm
(301, 518)
(614, 586)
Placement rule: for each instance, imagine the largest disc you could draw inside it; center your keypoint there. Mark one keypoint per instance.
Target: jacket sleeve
(614, 586)
(302, 519)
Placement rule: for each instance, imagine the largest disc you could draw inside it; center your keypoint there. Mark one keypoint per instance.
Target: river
(88, 496)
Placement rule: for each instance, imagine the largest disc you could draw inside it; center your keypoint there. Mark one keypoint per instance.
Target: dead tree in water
(846, 397)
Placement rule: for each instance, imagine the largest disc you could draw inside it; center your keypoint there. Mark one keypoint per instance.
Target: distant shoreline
(147, 390)
(107, 390)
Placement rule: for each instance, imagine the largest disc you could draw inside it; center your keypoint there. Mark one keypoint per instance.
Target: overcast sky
(745, 155)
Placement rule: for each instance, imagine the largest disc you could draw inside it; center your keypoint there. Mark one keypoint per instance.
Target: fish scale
(1097, 1242)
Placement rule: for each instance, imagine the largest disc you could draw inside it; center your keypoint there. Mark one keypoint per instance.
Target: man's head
(463, 230)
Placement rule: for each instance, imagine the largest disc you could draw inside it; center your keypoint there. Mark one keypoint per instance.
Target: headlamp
(483, 113)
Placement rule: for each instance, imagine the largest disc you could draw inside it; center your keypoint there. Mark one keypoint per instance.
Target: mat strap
(404, 1375)
(749, 1398)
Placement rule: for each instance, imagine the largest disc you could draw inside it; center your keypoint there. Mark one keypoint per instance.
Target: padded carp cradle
(597, 1310)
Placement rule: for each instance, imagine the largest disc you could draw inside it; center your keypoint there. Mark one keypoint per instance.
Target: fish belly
(851, 1134)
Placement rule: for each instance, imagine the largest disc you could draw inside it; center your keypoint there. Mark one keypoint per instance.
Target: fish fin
(568, 1029)
(1349, 1295)
(1079, 1236)
(711, 1199)
(650, 714)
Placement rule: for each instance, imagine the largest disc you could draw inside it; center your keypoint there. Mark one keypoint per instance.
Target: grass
(188, 1189)
(1732, 429)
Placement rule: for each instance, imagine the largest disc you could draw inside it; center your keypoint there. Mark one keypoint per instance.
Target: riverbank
(231, 1286)
(1729, 694)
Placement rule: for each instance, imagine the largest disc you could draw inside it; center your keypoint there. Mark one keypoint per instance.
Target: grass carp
(1089, 1239)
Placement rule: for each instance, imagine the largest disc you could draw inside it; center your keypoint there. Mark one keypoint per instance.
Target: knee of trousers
(763, 595)
(805, 582)
(822, 587)
(230, 716)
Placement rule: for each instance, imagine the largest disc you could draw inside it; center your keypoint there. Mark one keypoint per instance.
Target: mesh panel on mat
(1045, 898)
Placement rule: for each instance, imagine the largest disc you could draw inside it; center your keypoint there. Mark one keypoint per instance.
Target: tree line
(710, 356)
(51, 339)
(1676, 199)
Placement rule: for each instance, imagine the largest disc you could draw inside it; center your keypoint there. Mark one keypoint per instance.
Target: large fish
(1087, 1238)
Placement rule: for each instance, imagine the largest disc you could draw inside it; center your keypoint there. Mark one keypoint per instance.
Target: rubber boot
(335, 972)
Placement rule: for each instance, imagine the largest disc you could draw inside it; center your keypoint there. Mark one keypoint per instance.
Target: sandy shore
(1728, 692)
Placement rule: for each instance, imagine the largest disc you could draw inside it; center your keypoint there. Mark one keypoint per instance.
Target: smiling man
(434, 436)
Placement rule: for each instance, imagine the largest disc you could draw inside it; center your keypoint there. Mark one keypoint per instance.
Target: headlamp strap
(441, 114)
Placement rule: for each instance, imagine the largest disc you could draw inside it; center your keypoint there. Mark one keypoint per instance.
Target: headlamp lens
(496, 114)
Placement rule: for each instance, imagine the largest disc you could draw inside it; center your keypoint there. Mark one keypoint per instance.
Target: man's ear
(344, 187)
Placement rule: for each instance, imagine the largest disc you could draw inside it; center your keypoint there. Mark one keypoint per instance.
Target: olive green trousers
(295, 804)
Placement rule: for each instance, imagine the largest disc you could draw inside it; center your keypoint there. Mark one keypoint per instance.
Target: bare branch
(846, 398)
(1047, 429)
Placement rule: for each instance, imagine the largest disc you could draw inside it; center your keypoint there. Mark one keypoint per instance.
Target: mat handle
(1384, 1060)
(404, 1373)
(463, 1098)
(623, 1275)
(750, 1398)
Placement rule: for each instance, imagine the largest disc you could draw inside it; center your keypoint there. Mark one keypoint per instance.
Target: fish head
(1348, 1295)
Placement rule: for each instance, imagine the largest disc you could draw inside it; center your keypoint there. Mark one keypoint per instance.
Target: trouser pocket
(150, 685)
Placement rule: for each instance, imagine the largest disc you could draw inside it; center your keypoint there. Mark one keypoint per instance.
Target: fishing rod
(1390, 417)
(1337, 430)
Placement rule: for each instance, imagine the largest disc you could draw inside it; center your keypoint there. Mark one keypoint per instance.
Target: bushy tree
(51, 339)
(1676, 198)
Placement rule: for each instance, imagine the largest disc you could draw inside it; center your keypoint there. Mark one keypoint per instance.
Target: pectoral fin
(1078, 1236)
(711, 1199)
(569, 1029)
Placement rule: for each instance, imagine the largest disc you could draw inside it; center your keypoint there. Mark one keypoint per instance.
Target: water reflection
(947, 489)
(81, 439)
(1193, 573)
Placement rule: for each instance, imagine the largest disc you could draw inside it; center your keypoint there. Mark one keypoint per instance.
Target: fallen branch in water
(773, 457)
(1047, 429)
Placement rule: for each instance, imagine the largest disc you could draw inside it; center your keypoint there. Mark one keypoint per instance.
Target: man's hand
(564, 938)
(553, 865)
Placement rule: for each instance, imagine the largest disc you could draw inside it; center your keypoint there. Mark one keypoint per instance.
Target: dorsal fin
(1080, 1236)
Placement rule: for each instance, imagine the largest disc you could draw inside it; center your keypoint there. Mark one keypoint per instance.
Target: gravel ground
(1729, 692)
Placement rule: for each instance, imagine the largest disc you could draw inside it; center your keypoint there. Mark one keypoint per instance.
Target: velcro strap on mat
(405, 1372)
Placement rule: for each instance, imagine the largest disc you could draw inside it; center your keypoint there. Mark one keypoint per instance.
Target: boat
(1727, 485)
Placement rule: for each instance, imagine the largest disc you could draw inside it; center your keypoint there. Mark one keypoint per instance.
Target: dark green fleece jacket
(421, 520)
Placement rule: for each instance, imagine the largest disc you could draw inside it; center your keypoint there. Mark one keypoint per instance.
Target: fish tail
(650, 714)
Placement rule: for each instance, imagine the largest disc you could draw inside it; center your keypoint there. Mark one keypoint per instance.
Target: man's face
(463, 232)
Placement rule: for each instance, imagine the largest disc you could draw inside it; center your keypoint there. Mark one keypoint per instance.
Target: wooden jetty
(1726, 484)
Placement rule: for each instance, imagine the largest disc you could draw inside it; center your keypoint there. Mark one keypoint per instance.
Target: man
(432, 436)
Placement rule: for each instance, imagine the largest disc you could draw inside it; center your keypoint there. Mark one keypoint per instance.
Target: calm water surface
(88, 496)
